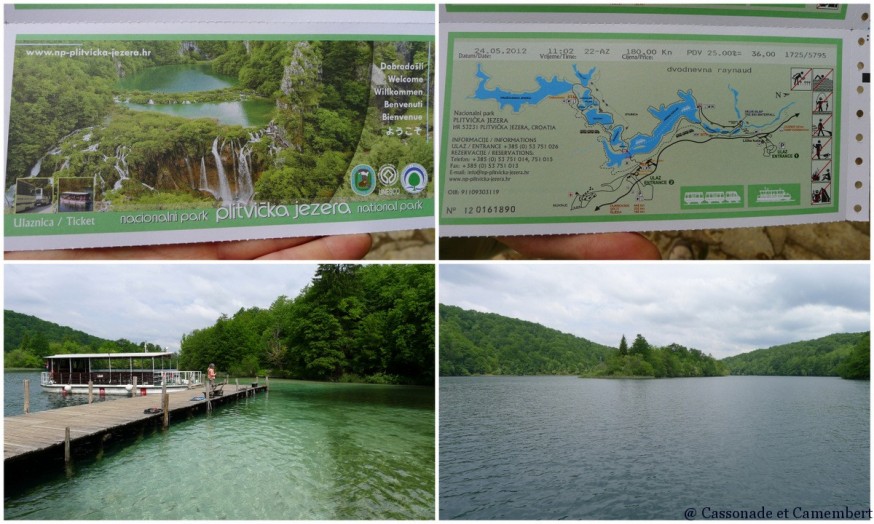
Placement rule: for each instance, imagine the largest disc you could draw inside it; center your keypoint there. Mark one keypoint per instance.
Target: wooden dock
(39, 439)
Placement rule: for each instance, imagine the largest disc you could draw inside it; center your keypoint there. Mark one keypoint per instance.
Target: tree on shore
(640, 346)
(858, 364)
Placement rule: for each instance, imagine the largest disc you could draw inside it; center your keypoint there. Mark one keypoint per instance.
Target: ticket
(569, 119)
(166, 124)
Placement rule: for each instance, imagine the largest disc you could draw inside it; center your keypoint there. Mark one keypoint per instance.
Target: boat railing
(156, 377)
(184, 378)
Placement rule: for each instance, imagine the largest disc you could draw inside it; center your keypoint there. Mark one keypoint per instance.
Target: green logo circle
(362, 179)
(414, 178)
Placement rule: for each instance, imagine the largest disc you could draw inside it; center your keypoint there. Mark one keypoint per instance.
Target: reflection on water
(75, 207)
(179, 78)
(246, 113)
(195, 78)
(40, 400)
(301, 451)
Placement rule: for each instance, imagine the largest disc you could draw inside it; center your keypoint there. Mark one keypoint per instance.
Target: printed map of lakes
(624, 128)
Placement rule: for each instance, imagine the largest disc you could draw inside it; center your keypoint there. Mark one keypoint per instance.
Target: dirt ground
(411, 244)
(831, 241)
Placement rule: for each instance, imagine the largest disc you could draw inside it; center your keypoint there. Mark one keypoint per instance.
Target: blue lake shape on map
(517, 100)
(668, 116)
(616, 137)
(588, 104)
(593, 116)
(736, 94)
(584, 77)
(616, 149)
(737, 129)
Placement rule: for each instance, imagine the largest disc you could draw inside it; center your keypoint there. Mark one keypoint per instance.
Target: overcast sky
(155, 303)
(722, 309)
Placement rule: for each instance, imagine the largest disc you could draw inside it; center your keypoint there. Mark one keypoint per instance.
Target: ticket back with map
(162, 124)
(572, 119)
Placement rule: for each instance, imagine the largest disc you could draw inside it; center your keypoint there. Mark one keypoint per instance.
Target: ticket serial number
(489, 210)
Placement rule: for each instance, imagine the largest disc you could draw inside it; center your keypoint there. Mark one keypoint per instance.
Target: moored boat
(116, 374)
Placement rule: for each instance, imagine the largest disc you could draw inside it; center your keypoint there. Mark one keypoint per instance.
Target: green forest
(71, 116)
(27, 339)
(842, 354)
(644, 360)
(352, 323)
(474, 343)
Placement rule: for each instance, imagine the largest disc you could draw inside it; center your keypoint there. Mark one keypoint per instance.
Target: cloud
(155, 303)
(723, 309)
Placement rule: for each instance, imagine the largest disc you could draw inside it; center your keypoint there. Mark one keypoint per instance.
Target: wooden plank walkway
(43, 433)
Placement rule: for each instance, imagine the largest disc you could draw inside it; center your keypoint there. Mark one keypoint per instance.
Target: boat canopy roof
(110, 355)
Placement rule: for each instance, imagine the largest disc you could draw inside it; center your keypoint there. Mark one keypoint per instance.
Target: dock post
(67, 445)
(26, 396)
(267, 382)
(68, 455)
(238, 384)
(165, 405)
(206, 396)
(90, 391)
(133, 390)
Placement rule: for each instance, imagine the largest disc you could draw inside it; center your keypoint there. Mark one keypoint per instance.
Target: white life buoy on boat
(68, 388)
(129, 387)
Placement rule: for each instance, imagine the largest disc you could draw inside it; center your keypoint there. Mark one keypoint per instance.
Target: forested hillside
(474, 343)
(356, 323)
(819, 357)
(858, 365)
(36, 332)
(26, 339)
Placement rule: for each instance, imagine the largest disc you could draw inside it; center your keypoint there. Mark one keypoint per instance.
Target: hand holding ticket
(225, 123)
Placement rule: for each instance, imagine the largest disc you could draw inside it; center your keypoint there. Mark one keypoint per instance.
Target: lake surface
(192, 78)
(178, 78)
(564, 447)
(246, 113)
(13, 395)
(302, 451)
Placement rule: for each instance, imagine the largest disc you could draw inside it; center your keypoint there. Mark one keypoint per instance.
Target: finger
(235, 250)
(345, 247)
(252, 249)
(602, 246)
(182, 251)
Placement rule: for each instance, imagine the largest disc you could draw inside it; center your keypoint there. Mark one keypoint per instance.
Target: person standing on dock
(210, 375)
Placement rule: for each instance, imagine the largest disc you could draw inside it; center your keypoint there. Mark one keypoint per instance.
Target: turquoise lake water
(302, 451)
(193, 78)
(178, 78)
